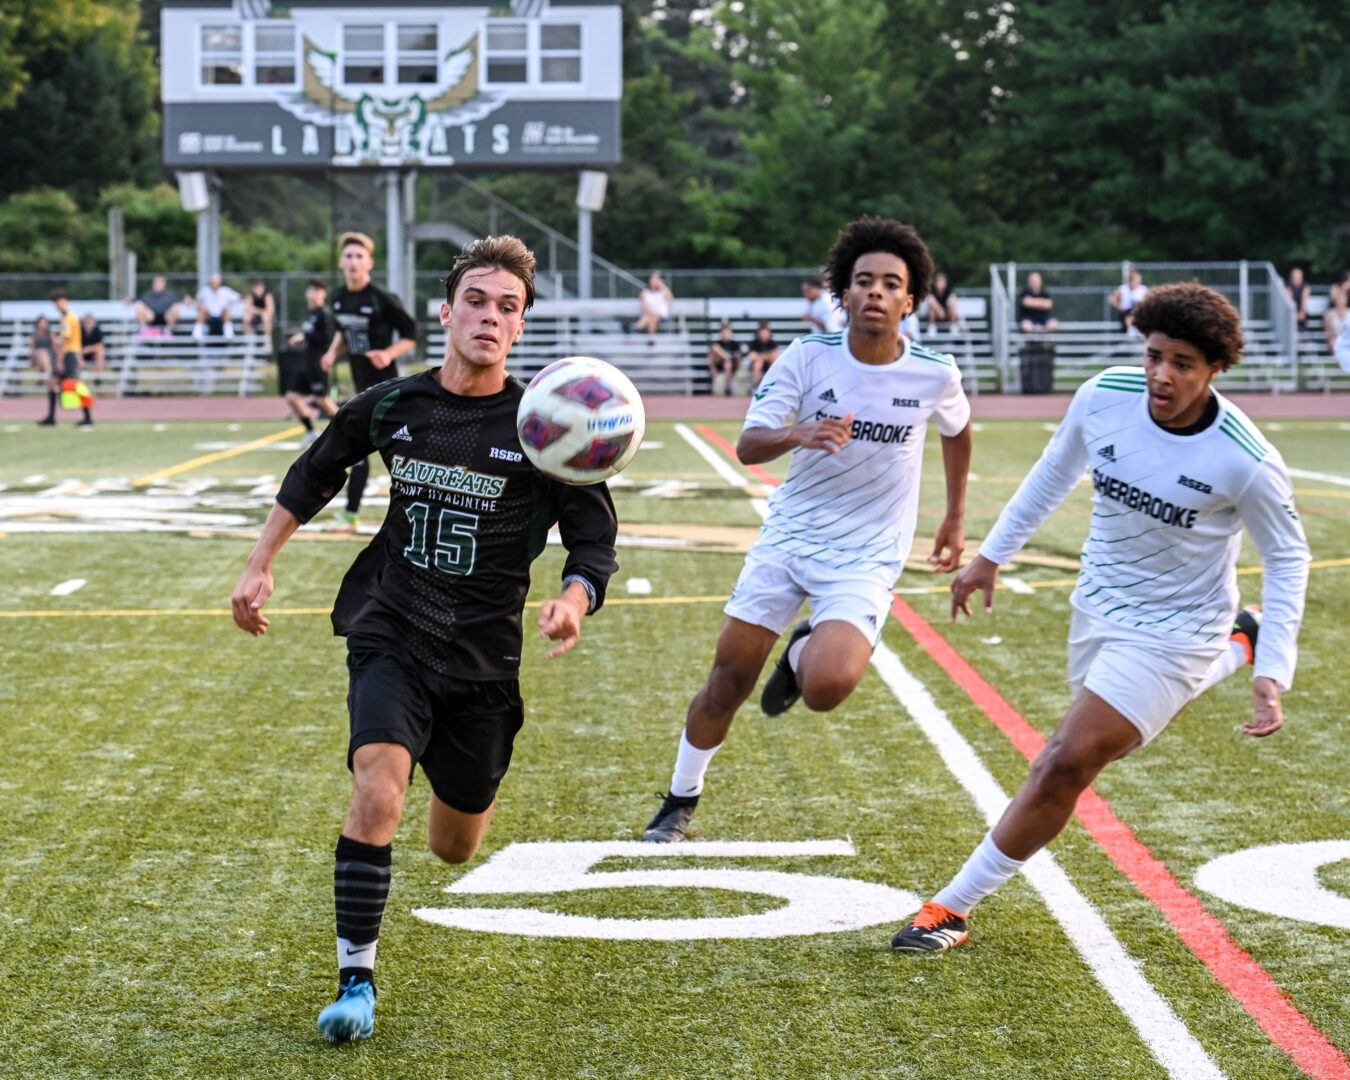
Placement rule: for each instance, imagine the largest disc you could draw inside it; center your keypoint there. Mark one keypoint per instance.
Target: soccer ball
(580, 420)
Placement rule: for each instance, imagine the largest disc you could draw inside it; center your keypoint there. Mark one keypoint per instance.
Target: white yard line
(712, 457)
(1326, 478)
(1169, 1040)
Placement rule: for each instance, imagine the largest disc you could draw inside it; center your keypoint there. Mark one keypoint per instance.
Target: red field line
(730, 451)
(1237, 972)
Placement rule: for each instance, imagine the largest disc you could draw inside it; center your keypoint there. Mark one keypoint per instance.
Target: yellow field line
(206, 459)
(143, 612)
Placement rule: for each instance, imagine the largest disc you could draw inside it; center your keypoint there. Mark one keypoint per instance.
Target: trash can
(1038, 367)
(288, 362)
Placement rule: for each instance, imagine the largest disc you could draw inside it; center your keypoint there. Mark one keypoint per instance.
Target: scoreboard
(528, 84)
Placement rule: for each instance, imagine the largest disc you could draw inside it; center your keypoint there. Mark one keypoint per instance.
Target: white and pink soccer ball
(580, 420)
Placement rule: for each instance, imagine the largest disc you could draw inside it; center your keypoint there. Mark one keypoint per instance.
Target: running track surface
(659, 407)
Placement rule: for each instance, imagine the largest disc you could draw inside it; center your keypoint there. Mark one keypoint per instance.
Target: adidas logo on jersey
(403, 433)
(828, 396)
(1108, 452)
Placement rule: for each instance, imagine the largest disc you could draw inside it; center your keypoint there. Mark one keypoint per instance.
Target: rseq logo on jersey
(504, 455)
(904, 403)
(1198, 485)
(446, 477)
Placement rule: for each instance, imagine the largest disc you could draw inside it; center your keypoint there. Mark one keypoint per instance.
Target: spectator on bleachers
(655, 299)
(214, 300)
(1342, 348)
(821, 314)
(157, 310)
(909, 327)
(1298, 294)
(1126, 297)
(944, 307)
(260, 309)
(724, 355)
(1034, 307)
(1336, 315)
(763, 352)
(40, 345)
(94, 351)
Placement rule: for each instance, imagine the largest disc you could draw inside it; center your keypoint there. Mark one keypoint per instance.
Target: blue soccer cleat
(352, 1015)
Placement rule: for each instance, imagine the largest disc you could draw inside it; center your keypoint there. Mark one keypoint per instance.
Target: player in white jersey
(841, 525)
(1178, 472)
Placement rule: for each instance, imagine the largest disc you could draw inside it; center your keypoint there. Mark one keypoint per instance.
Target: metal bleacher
(134, 364)
(674, 360)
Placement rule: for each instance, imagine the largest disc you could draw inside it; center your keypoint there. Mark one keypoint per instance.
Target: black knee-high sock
(52, 397)
(360, 889)
(356, 484)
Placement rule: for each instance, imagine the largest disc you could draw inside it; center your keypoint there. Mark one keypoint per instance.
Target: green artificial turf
(173, 790)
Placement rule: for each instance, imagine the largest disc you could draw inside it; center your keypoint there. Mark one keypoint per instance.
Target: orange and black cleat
(933, 929)
(1245, 628)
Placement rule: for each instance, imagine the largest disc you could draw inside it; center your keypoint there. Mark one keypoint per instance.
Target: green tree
(85, 115)
(1187, 129)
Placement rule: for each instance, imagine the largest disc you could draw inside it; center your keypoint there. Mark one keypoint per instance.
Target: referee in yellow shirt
(67, 340)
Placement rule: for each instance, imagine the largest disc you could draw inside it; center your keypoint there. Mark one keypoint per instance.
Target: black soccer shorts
(308, 379)
(460, 731)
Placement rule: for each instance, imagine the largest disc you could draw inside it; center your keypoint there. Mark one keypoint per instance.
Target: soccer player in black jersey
(308, 382)
(431, 609)
(367, 318)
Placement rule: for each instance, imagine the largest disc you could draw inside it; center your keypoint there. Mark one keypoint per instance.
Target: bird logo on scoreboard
(372, 127)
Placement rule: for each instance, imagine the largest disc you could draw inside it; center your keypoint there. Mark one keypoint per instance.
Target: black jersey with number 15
(448, 572)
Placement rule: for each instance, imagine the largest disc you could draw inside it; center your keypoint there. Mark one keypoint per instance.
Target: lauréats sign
(322, 122)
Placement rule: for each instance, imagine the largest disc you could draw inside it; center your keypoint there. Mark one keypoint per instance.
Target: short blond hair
(348, 238)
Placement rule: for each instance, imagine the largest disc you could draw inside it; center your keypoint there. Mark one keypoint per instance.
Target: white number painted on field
(1281, 879)
(816, 904)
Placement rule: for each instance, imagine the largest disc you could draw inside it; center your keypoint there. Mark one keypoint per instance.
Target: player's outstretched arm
(255, 584)
(956, 450)
(760, 444)
(560, 619)
(1267, 714)
(980, 573)
(335, 349)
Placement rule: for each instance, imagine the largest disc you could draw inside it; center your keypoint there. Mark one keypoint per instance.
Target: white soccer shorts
(773, 586)
(1147, 679)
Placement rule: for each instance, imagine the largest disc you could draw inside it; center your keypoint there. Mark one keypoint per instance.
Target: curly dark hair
(1198, 315)
(496, 253)
(869, 234)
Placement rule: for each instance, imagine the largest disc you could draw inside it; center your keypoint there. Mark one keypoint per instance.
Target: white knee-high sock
(795, 653)
(985, 870)
(1228, 661)
(690, 765)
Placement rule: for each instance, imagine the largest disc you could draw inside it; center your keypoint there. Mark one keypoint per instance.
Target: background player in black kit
(431, 609)
(367, 318)
(308, 382)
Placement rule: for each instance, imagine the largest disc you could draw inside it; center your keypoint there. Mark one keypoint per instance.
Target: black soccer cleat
(933, 929)
(781, 691)
(671, 821)
(1245, 628)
